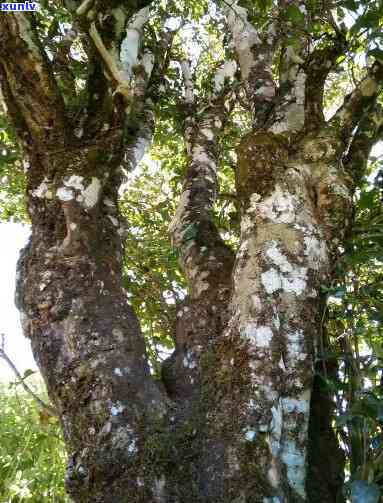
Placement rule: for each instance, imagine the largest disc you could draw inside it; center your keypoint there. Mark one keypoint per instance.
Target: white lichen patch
(200, 156)
(201, 285)
(208, 134)
(124, 438)
(217, 123)
(295, 345)
(137, 152)
(280, 207)
(250, 435)
(295, 460)
(147, 62)
(268, 91)
(75, 182)
(42, 189)
(159, 490)
(276, 321)
(299, 405)
(130, 44)
(189, 361)
(114, 220)
(276, 428)
(245, 36)
(117, 408)
(296, 281)
(118, 372)
(278, 258)
(293, 282)
(247, 224)
(226, 72)
(271, 280)
(315, 251)
(65, 194)
(92, 193)
(132, 447)
(259, 336)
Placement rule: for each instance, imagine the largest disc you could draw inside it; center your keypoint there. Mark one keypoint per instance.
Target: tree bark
(69, 291)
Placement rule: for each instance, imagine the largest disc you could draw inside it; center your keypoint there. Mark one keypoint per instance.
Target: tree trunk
(85, 337)
(236, 426)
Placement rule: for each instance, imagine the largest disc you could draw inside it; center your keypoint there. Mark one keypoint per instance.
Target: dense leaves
(32, 456)
(12, 179)
(355, 306)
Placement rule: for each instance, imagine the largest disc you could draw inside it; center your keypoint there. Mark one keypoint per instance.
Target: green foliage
(152, 276)
(12, 178)
(355, 304)
(32, 456)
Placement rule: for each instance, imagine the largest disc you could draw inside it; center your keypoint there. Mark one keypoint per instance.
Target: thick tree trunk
(236, 428)
(233, 425)
(85, 337)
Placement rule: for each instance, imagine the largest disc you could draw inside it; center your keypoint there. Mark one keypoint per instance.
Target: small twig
(41, 403)
(84, 7)
(227, 195)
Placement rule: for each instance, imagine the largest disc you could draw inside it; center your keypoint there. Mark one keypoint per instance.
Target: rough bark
(69, 290)
(238, 414)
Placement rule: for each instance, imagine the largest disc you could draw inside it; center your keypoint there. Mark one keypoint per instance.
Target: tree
(237, 412)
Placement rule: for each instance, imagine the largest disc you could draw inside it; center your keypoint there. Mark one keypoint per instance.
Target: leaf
(366, 199)
(294, 14)
(363, 492)
(339, 292)
(28, 373)
(351, 4)
(376, 53)
(343, 420)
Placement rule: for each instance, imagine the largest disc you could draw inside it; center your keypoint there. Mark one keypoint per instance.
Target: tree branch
(205, 258)
(30, 81)
(40, 402)
(255, 51)
(319, 64)
(369, 132)
(359, 102)
(140, 125)
(288, 114)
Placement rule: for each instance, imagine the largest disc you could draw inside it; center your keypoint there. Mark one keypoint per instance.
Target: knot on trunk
(259, 157)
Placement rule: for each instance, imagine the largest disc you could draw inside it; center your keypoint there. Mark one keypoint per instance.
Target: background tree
(228, 418)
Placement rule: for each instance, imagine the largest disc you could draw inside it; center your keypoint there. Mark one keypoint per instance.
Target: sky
(12, 238)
